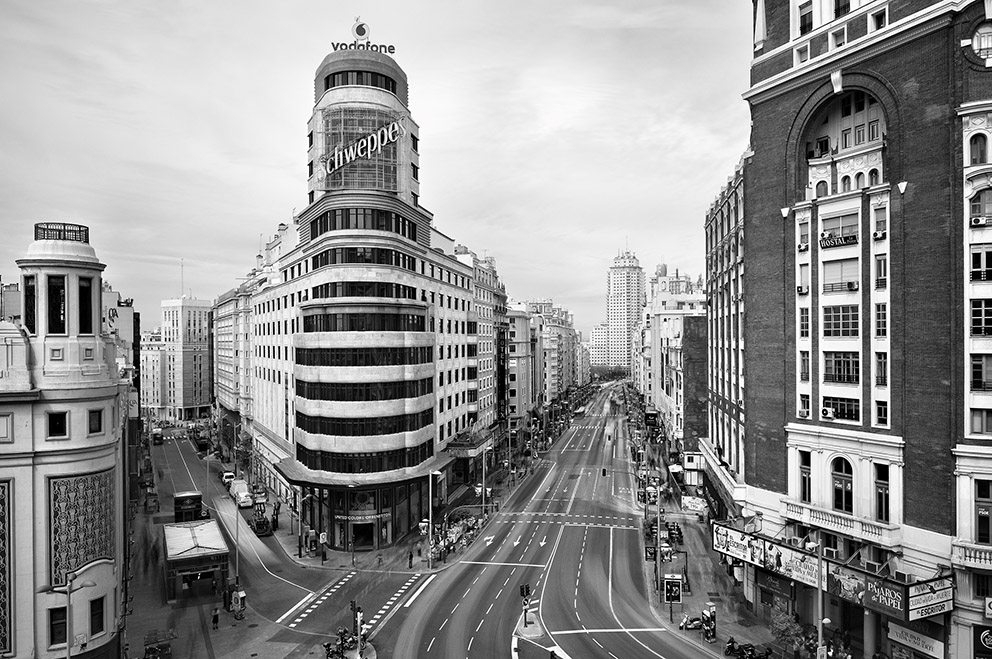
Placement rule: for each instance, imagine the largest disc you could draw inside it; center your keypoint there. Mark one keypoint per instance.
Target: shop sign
(742, 546)
(930, 598)
(916, 641)
(695, 504)
(988, 607)
(774, 584)
(885, 597)
(793, 564)
(838, 241)
(370, 517)
(982, 641)
(365, 147)
(846, 583)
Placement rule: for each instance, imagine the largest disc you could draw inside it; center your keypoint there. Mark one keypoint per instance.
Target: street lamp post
(70, 577)
(299, 513)
(430, 516)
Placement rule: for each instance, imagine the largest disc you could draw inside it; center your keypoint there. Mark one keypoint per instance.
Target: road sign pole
(671, 612)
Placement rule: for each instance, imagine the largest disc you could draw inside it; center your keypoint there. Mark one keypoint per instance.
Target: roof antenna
(182, 278)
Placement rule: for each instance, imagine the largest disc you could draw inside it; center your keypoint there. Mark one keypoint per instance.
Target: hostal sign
(365, 147)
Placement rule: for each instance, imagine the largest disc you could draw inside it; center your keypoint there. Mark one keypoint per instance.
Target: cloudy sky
(554, 134)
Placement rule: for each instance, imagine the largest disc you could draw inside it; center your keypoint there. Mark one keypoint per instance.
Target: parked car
(241, 494)
(260, 525)
(227, 477)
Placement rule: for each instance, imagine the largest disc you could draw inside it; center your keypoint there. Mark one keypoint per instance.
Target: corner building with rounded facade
(363, 334)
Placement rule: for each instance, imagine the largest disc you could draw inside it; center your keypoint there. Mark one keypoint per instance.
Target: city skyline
(161, 128)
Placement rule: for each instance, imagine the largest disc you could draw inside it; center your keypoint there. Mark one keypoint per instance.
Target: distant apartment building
(64, 410)
(10, 303)
(599, 345)
(723, 453)
(525, 356)
(559, 339)
(182, 366)
(583, 369)
(624, 303)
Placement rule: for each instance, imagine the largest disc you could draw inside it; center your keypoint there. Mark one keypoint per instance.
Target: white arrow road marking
(517, 541)
(543, 542)
(489, 540)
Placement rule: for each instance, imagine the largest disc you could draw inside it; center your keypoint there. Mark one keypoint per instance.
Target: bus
(580, 411)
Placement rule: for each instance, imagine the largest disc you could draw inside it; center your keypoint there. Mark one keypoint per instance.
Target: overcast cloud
(554, 133)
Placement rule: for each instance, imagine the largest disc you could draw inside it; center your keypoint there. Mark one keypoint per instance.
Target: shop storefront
(982, 641)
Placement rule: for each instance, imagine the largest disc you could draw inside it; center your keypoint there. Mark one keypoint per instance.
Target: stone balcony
(970, 556)
(880, 533)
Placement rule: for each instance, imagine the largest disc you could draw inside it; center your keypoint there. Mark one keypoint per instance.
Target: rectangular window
(95, 422)
(841, 275)
(96, 617)
(805, 17)
(804, 365)
(844, 408)
(882, 412)
(845, 225)
(415, 143)
(56, 304)
(841, 320)
(844, 367)
(804, 275)
(804, 323)
(56, 626)
(6, 428)
(881, 368)
(58, 425)
(805, 477)
(881, 270)
(981, 422)
(416, 172)
(880, 217)
(30, 302)
(881, 320)
(845, 138)
(838, 38)
(882, 492)
(981, 372)
(85, 305)
(873, 133)
(802, 54)
(877, 20)
(982, 584)
(981, 262)
(804, 232)
(983, 511)
(804, 403)
(843, 485)
(859, 134)
(841, 8)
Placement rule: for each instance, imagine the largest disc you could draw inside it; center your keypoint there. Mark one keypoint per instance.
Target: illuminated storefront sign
(361, 32)
(916, 641)
(365, 147)
(907, 602)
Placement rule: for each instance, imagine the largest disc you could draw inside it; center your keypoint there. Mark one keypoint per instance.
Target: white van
(241, 494)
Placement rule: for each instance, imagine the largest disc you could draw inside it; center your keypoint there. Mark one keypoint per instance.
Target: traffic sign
(650, 553)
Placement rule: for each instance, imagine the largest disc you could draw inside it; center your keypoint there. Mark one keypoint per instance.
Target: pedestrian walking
(216, 617)
(410, 561)
(379, 559)
(213, 585)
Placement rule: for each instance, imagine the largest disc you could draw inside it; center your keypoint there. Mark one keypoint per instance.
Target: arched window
(842, 477)
(845, 184)
(981, 203)
(859, 181)
(821, 189)
(979, 149)
(873, 177)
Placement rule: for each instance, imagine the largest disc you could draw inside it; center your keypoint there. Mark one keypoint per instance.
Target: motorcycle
(690, 623)
(747, 651)
(731, 649)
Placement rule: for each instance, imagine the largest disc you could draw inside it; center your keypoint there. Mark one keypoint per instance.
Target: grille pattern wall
(82, 518)
(6, 619)
(342, 127)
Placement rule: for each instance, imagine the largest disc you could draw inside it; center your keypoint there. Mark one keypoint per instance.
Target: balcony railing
(981, 275)
(881, 380)
(981, 385)
(845, 378)
(881, 282)
(971, 556)
(882, 533)
(840, 287)
(804, 376)
(979, 330)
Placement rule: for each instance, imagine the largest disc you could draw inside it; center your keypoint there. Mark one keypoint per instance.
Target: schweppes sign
(364, 147)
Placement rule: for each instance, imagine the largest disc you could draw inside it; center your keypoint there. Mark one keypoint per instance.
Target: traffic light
(525, 590)
(673, 591)
(604, 471)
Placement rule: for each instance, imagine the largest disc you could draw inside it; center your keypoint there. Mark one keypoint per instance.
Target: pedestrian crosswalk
(613, 521)
(321, 597)
(381, 613)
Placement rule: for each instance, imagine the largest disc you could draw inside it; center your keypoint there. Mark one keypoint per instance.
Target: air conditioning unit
(872, 567)
(852, 285)
(802, 247)
(831, 553)
(979, 221)
(903, 577)
(879, 235)
(803, 414)
(827, 412)
(795, 541)
(826, 234)
(740, 402)
(802, 290)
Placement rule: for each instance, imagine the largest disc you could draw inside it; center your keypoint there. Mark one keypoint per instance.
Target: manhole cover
(254, 624)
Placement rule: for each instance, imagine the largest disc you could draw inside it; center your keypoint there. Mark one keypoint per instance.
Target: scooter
(690, 623)
(731, 649)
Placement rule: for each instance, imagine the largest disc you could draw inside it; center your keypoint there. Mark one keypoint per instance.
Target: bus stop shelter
(196, 559)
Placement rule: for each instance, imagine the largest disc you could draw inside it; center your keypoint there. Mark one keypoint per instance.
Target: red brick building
(868, 332)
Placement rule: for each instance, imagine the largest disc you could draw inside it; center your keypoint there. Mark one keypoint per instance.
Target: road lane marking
(612, 630)
(416, 594)
(503, 564)
(470, 643)
(431, 644)
(480, 625)
(443, 624)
